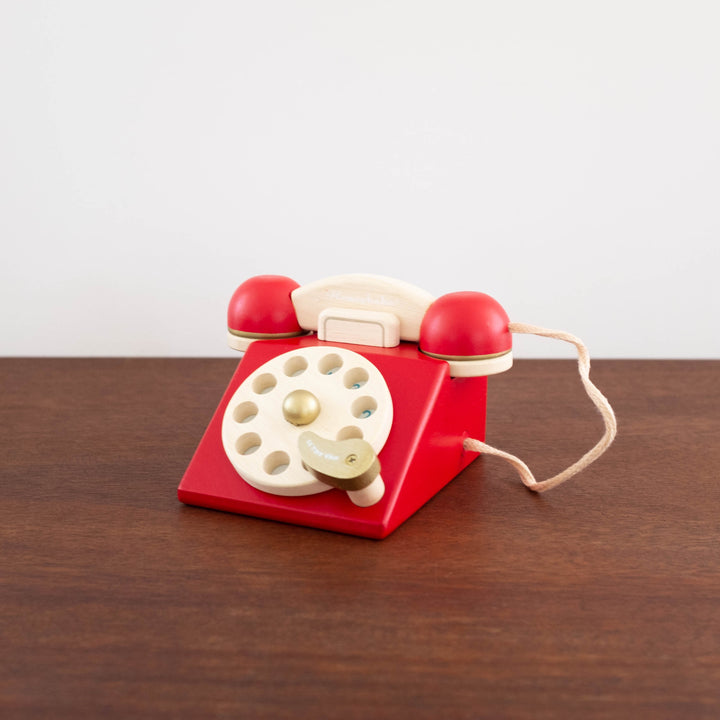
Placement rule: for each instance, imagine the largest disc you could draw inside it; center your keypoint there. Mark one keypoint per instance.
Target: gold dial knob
(300, 407)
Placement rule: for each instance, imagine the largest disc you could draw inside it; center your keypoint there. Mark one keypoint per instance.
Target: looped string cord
(594, 394)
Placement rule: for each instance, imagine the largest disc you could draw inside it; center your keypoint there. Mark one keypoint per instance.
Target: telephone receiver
(357, 399)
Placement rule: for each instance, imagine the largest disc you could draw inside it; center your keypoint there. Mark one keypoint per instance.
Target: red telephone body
(437, 390)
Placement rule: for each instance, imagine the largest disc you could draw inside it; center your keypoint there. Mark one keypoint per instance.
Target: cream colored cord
(595, 395)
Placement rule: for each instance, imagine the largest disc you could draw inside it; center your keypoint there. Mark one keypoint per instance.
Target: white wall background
(562, 156)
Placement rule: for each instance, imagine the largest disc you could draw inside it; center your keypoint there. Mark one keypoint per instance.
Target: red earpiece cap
(262, 306)
(465, 325)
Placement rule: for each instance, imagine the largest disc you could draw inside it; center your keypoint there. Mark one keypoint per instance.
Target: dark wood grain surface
(600, 599)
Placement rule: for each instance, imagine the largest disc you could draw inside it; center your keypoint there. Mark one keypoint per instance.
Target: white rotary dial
(331, 391)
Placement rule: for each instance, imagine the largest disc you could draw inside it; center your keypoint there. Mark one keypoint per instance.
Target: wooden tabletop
(600, 599)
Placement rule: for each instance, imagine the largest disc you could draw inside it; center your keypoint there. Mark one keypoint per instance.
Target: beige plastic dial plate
(263, 446)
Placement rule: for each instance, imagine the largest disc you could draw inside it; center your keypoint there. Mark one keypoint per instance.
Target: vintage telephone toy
(357, 399)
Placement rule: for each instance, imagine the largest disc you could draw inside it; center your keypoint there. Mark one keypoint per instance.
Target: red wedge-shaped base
(432, 415)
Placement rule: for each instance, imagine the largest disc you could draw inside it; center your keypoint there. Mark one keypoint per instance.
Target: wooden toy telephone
(358, 398)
